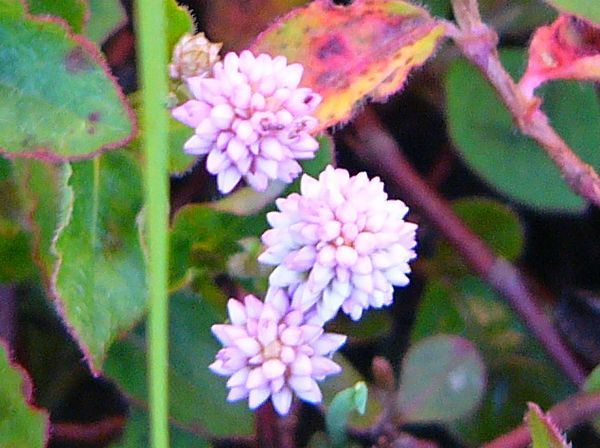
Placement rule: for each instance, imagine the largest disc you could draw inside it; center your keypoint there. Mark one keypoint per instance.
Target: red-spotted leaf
(544, 433)
(99, 280)
(21, 425)
(351, 53)
(569, 48)
(57, 98)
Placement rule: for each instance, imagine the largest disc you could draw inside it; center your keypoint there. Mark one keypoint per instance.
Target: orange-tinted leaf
(569, 48)
(236, 23)
(350, 53)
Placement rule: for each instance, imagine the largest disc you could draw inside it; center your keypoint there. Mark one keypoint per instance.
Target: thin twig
(8, 314)
(478, 42)
(272, 430)
(373, 144)
(98, 432)
(574, 410)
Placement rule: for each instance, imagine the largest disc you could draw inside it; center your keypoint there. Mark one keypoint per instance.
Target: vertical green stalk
(152, 69)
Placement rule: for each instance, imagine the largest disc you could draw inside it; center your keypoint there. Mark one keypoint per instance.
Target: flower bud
(194, 55)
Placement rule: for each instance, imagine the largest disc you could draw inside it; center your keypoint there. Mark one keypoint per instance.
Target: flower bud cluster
(251, 119)
(338, 244)
(194, 55)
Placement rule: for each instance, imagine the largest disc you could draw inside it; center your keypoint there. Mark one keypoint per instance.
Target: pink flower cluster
(339, 244)
(270, 351)
(252, 119)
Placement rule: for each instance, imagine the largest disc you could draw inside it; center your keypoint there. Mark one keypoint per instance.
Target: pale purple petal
(282, 401)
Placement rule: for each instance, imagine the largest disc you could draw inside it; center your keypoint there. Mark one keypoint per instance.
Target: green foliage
(100, 278)
(136, 434)
(343, 404)
(179, 22)
(198, 397)
(484, 133)
(106, 16)
(56, 99)
(495, 223)
(72, 11)
(179, 161)
(39, 190)
(202, 236)
(544, 434)
(592, 384)
(442, 379)
(467, 307)
(347, 379)
(15, 250)
(20, 424)
(587, 9)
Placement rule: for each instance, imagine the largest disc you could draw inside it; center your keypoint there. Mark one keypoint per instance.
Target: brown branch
(373, 144)
(272, 430)
(8, 315)
(478, 42)
(574, 410)
(101, 431)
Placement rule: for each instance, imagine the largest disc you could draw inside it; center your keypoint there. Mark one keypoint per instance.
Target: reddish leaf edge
(95, 366)
(33, 227)
(27, 389)
(86, 17)
(45, 153)
(556, 432)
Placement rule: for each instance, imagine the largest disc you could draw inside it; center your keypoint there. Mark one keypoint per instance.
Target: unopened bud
(193, 56)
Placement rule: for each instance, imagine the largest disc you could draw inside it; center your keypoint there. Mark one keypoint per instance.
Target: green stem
(152, 60)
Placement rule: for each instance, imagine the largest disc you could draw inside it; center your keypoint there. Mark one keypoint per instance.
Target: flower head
(270, 351)
(252, 120)
(194, 55)
(340, 243)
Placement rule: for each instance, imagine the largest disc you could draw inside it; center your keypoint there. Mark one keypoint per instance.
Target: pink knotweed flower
(270, 351)
(340, 243)
(252, 120)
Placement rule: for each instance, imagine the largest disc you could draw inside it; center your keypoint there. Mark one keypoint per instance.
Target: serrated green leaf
(198, 397)
(544, 434)
(100, 279)
(442, 379)
(56, 97)
(74, 12)
(343, 404)
(21, 425)
(106, 16)
(179, 22)
(592, 384)
(468, 307)
(515, 165)
(587, 9)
